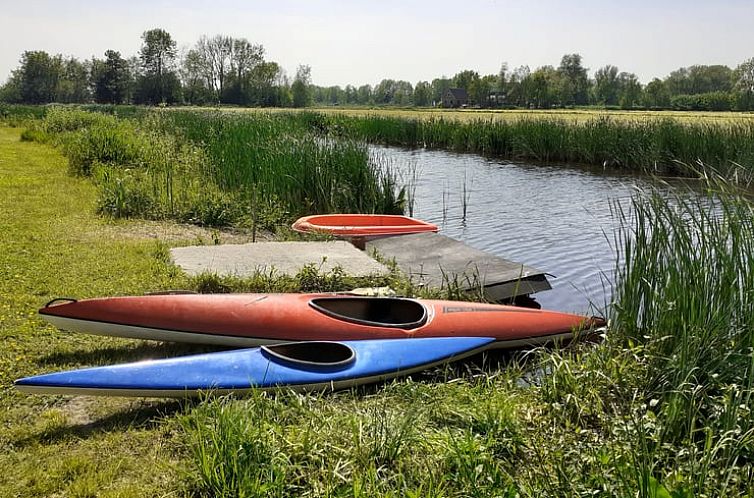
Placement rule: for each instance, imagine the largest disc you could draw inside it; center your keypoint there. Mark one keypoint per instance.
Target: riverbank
(661, 406)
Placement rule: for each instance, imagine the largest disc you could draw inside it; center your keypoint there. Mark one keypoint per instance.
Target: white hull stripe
(135, 332)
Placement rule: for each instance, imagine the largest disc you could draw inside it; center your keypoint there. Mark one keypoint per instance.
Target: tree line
(226, 70)
(698, 87)
(216, 70)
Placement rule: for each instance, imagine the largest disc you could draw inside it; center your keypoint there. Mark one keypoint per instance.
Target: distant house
(496, 99)
(455, 97)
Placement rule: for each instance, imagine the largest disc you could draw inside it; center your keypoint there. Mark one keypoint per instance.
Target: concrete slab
(287, 258)
(434, 260)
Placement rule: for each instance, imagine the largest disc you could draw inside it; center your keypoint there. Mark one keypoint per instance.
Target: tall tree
(364, 94)
(158, 52)
(159, 82)
(630, 90)
(384, 91)
(38, 77)
(191, 71)
(112, 79)
(351, 94)
(74, 84)
(216, 54)
(606, 85)
(243, 58)
(481, 89)
(439, 86)
(404, 93)
(301, 87)
(656, 94)
(519, 84)
(501, 84)
(543, 87)
(743, 78)
(265, 82)
(697, 79)
(574, 83)
(422, 94)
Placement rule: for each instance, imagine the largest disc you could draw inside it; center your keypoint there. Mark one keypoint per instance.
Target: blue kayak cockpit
(311, 354)
(391, 312)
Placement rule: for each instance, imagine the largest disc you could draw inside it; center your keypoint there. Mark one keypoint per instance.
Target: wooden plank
(435, 260)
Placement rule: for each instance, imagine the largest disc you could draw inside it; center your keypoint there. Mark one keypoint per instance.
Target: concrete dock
(429, 259)
(286, 258)
(435, 260)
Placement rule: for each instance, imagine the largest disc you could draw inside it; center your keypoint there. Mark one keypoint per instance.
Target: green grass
(54, 245)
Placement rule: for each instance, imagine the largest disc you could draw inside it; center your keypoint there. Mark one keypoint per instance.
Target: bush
(712, 101)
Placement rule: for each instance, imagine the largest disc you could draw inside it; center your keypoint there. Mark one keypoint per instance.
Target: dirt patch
(78, 410)
(175, 233)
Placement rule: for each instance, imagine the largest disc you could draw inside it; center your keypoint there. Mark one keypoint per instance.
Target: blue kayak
(313, 365)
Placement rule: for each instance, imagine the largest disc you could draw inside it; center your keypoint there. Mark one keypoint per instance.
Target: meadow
(662, 407)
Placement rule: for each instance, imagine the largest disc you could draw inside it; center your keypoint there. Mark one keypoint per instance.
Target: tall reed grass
(650, 145)
(213, 169)
(289, 162)
(685, 295)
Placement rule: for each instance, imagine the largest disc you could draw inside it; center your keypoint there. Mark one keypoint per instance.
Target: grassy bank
(53, 245)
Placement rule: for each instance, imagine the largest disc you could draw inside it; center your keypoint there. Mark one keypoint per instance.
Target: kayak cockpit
(373, 311)
(312, 354)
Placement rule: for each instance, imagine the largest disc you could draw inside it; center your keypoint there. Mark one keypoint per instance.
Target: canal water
(555, 218)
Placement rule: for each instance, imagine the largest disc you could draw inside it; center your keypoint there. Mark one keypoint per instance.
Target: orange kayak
(362, 225)
(255, 319)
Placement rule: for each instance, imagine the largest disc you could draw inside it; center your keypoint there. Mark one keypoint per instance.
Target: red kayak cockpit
(388, 312)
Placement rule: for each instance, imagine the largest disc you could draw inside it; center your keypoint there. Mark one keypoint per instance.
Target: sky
(358, 42)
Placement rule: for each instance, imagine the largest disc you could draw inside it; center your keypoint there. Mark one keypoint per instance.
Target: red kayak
(362, 225)
(254, 319)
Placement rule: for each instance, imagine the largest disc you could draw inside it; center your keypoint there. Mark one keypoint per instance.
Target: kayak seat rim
(311, 354)
(387, 312)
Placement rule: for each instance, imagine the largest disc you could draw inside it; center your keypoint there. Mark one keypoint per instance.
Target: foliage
(714, 101)
(225, 70)
(159, 83)
(684, 304)
(112, 79)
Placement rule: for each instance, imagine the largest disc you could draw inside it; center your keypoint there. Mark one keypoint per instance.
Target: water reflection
(555, 218)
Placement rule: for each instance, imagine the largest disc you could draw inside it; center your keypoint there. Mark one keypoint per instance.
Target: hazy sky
(357, 42)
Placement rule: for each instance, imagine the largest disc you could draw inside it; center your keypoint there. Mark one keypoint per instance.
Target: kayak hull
(243, 370)
(243, 320)
(362, 225)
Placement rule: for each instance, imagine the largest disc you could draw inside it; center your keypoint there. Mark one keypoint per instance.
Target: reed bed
(685, 295)
(285, 159)
(650, 145)
(218, 169)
